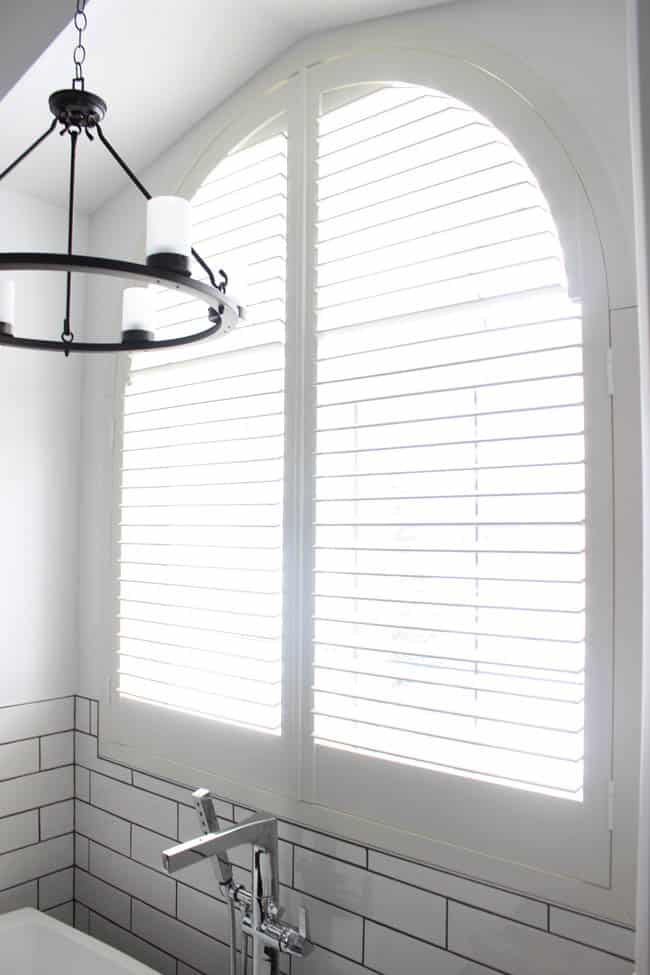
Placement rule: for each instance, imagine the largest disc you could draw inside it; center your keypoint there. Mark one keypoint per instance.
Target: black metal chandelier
(169, 250)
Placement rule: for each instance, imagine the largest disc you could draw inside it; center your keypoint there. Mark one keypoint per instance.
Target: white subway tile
(589, 931)
(82, 783)
(82, 714)
(32, 720)
(410, 910)
(519, 950)
(94, 718)
(55, 889)
(147, 848)
(328, 926)
(131, 945)
(81, 851)
(134, 804)
(179, 793)
(103, 827)
(17, 831)
(322, 843)
(57, 750)
(389, 952)
(87, 756)
(64, 912)
(478, 895)
(81, 917)
(177, 939)
(57, 819)
(102, 898)
(132, 877)
(18, 758)
(39, 789)
(321, 962)
(34, 861)
(25, 895)
(285, 863)
(205, 913)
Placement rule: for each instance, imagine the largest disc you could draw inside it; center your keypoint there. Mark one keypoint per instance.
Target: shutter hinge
(610, 372)
(610, 805)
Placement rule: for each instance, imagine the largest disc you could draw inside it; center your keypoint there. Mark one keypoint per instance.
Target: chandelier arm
(118, 159)
(31, 148)
(74, 135)
(147, 195)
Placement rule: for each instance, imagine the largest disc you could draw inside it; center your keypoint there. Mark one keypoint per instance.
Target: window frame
(571, 209)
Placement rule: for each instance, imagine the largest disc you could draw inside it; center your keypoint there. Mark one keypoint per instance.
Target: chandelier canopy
(169, 248)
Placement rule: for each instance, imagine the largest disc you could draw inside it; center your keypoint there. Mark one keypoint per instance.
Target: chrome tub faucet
(260, 913)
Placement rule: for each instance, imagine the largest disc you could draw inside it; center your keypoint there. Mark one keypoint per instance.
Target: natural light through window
(200, 556)
(435, 391)
(450, 479)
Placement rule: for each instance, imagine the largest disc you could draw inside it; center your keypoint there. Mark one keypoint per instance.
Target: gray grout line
(33, 737)
(41, 700)
(43, 805)
(26, 775)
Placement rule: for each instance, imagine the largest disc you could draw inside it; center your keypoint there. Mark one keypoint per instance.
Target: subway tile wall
(37, 806)
(369, 912)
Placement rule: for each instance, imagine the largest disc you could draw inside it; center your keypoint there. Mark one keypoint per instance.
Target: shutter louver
(449, 584)
(202, 473)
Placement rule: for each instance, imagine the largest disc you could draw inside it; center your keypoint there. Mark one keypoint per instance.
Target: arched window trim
(570, 206)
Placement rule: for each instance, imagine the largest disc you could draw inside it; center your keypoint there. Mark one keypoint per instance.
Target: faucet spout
(261, 831)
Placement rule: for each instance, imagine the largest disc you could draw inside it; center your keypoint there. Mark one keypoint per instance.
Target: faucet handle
(205, 810)
(302, 922)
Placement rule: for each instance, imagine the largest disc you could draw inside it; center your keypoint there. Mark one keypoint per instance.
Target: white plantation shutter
(378, 595)
(449, 582)
(200, 554)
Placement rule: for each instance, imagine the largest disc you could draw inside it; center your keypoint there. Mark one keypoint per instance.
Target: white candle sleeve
(137, 309)
(169, 226)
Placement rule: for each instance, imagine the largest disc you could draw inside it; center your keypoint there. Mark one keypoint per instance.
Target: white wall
(39, 458)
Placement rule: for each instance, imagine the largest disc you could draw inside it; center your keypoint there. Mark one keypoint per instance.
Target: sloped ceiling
(161, 65)
(26, 29)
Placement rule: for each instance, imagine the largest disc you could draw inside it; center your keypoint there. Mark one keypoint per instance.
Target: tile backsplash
(37, 806)
(61, 804)
(368, 911)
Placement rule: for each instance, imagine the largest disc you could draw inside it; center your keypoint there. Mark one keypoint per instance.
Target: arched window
(364, 559)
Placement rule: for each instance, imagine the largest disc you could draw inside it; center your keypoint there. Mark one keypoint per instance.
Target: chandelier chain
(79, 53)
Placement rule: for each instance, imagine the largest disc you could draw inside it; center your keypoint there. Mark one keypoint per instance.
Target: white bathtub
(33, 944)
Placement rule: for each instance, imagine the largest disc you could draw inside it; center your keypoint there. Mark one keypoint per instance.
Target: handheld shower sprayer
(258, 909)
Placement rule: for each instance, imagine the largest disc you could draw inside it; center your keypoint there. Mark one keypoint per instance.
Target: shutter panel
(202, 473)
(449, 583)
